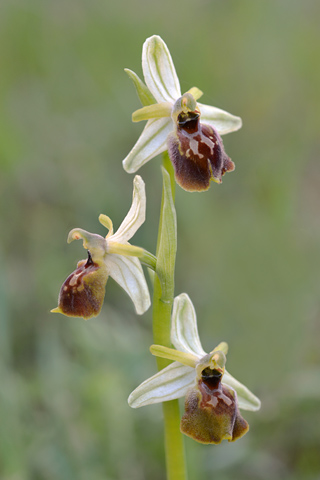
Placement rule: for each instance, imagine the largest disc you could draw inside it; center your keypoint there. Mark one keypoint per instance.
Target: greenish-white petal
(156, 110)
(221, 120)
(246, 399)
(159, 72)
(146, 98)
(136, 215)
(222, 347)
(175, 355)
(170, 383)
(128, 273)
(151, 143)
(106, 222)
(184, 329)
(195, 92)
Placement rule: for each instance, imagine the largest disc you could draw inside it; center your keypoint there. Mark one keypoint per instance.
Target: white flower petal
(184, 330)
(221, 120)
(128, 273)
(136, 215)
(246, 399)
(159, 72)
(170, 383)
(151, 143)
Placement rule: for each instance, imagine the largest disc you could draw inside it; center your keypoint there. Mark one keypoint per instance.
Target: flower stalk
(162, 307)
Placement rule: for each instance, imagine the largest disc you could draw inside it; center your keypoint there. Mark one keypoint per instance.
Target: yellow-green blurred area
(248, 250)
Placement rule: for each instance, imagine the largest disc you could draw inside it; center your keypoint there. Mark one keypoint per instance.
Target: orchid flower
(213, 396)
(173, 123)
(82, 293)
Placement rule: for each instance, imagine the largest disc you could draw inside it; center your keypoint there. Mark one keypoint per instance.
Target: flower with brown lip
(213, 397)
(189, 130)
(82, 293)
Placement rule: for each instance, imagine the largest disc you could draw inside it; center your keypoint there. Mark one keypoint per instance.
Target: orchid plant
(188, 134)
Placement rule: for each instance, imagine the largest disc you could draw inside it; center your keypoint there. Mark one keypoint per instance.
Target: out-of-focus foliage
(248, 253)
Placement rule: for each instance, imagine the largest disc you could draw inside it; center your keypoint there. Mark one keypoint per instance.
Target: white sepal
(184, 330)
(136, 215)
(221, 120)
(169, 384)
(246, 399)
(128, 273)
(152, 142)
(159, 72)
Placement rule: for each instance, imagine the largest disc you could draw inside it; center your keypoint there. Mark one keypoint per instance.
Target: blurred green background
(248, 250)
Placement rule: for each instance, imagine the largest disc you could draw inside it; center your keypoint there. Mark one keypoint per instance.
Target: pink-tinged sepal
(211, 411)
(197, 153)
(82, 293)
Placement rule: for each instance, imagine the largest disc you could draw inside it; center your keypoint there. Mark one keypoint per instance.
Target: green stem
(162, 307)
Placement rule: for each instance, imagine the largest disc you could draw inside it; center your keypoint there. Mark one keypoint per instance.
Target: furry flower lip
(83, 292)
(189, 130)
(213, 397)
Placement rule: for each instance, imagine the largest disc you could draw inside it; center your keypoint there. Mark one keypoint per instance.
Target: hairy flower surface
(82, 293)
(213, 396)
(190, 131)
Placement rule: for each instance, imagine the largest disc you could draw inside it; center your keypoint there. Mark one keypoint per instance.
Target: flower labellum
(82, 293)
(196, 150)
(211, 411)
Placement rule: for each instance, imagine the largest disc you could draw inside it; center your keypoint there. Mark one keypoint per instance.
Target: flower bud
(82, 293)
(211, 411)
(197, 153)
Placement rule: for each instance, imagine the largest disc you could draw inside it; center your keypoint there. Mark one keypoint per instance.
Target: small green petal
(195, 92)
(158, 110)
(106, 222)
(145, 257)
(124, 249)
(145, 96)
(222, 347)
(172, 354)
